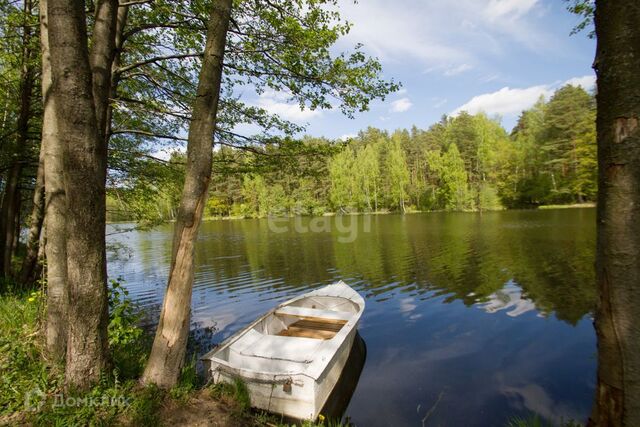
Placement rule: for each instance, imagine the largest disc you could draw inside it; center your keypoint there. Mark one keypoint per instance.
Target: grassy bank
(32, 391)
(407, 212)
(572, 206)
(31, 388)
(349, 213)
(331, 214)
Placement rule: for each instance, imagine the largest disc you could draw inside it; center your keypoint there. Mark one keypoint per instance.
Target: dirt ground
(202, 410)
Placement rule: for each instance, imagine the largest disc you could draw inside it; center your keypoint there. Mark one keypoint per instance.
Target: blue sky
(496, 56)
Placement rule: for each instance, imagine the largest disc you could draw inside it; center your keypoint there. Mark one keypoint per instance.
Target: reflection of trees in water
(467, 257)
(470, 257)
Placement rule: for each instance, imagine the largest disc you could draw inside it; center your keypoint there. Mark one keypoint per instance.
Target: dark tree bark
(9, 212)
(16, 231)
(121, 22)
(9, 217)
(84, 180)
(55, 208)
(28, 273)
(617, 319)
(169, 346)
(101, 58)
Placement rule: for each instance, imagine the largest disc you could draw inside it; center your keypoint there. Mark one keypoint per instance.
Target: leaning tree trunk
(617, 319)
(27, 273)
(84, 181)
(55, 208)
(169, 345)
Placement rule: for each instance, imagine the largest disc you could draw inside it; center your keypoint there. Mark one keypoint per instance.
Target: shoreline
(411, 212)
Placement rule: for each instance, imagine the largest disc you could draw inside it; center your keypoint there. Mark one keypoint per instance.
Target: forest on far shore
(462, 163)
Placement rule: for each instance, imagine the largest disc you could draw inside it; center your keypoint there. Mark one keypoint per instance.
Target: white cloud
(508, 101)
(457, 70)
(508, 298)
(436, 32)
(501, 9)
(489, 78)
(407, 308)
(438, 102)
(278, 103)
(586, 82)
(401, 105)
(347, 136)
(398, 33)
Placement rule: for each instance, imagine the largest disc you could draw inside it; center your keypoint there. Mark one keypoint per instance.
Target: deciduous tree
(55, 206)
(84, 171)
(617, 318)
(170, 343)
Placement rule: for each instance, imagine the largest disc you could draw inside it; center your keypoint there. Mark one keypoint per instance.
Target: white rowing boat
(291, 358)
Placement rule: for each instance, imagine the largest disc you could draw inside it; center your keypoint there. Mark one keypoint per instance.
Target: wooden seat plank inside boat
(313, 313)
(322, 329)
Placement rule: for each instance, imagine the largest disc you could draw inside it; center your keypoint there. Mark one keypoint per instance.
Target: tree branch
(146, 133)
(134, 2)
(178, 24)
(156, 59)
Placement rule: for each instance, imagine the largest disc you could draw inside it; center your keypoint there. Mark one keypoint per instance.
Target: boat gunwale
(316, 369)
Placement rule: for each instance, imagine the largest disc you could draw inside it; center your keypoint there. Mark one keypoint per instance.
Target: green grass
(241, 394)
(572, 206)
(237, 392)
(32, 387)
(29, 381)
(118, 399)
(145, 408)
(22, 370)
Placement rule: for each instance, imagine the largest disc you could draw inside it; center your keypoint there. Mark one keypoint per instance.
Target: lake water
(471, 318)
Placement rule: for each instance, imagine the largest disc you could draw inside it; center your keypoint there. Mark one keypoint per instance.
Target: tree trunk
(8, 217)
(55, 208)
(11, 200)
(84, 158)
(101, 59)
(27, 274)
(169, 346)
(375, 197)
(18, 227)
(121, 21)
(38, 271)
(617, 319)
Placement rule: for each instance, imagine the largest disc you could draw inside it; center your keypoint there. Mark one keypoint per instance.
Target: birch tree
(169, 345)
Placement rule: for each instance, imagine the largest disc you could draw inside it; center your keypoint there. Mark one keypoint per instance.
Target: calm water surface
(470, 319)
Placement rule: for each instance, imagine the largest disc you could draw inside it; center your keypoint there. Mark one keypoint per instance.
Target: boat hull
(303, 400)
(287, 369)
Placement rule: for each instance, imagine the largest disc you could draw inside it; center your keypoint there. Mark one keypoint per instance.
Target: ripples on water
(486, 314)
